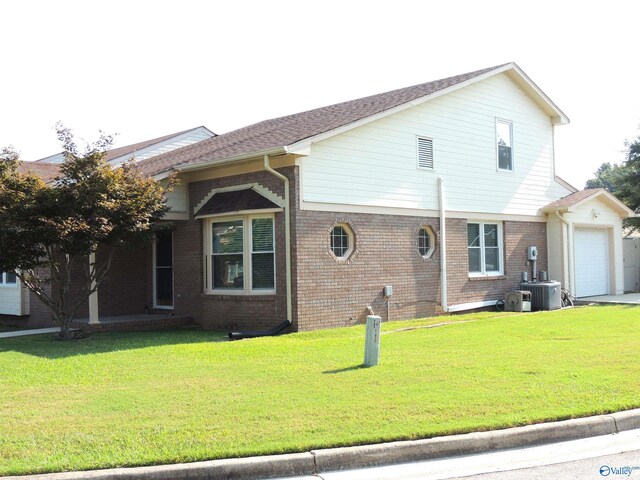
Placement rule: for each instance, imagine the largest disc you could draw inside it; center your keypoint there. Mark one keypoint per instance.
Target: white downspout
(443, 248)
(287, 234)
(570, 257)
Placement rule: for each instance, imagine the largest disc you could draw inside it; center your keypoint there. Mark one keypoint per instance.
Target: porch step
(132, 323)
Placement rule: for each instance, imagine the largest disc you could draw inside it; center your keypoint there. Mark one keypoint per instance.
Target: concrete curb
(333, 459)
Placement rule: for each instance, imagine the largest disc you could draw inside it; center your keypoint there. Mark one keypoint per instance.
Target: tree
(623, 180)
(49, 231)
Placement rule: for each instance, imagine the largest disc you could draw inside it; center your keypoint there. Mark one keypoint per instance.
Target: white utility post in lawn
(372, 341)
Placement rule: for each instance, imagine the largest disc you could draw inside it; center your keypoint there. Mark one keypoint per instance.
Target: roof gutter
(287, 237)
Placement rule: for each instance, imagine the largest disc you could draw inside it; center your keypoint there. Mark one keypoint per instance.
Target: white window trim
(432, 241)
(351, 245)
(483, 272)
(513, 156)
(246, 256)
(4, 284)
(433, 154)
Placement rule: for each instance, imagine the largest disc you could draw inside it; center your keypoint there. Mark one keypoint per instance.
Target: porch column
(93, 298)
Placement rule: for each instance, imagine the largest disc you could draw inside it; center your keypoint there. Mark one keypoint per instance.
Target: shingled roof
(46, 171)
(574, 200)
(284, 131)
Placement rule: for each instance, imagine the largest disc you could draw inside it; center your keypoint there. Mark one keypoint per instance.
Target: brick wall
(517, 237)
(332, 293)
(335, 293)
(124, 289)
(228, 311)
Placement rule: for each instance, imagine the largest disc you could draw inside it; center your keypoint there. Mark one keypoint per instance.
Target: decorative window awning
(241, 201)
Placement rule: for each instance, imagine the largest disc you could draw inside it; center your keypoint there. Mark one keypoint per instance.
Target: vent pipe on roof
(287, 233)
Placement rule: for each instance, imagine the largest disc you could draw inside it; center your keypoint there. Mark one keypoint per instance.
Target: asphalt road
(575, 459)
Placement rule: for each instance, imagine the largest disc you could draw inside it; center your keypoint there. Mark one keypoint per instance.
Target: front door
(163, 270)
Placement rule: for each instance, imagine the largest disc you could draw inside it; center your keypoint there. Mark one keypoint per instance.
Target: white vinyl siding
(375, 165)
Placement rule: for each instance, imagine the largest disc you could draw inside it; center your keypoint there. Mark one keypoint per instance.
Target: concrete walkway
(627, 298)
(319, 462)
(35, 331)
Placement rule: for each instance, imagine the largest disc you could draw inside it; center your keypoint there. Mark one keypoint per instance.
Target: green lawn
(176, 396)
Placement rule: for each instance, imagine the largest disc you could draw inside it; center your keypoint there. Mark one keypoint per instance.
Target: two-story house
(437, 190)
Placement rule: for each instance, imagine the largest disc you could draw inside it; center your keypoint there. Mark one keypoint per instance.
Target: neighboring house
(437, 190)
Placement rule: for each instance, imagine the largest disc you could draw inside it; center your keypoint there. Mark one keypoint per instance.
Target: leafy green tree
(623, 180)
(50, 230)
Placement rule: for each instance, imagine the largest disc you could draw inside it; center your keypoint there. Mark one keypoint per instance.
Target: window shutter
(425, 153)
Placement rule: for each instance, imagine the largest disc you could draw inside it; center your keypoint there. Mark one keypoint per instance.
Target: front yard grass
(178, 396)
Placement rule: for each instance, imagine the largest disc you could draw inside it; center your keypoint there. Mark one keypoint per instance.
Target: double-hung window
(484, 243)
(8, 278)
(504, 140)
(242, 253)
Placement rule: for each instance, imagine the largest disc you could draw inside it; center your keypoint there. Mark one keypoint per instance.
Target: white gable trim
(613, 202)
(514, 72)
(265, 192)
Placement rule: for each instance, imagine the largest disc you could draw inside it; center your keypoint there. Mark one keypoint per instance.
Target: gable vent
(425, 153)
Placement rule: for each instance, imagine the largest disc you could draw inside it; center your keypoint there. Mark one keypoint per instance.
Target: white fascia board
(558, 116)
(566, 184)
(610, 199)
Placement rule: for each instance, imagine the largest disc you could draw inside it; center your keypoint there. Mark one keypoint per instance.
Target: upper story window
(484, 242)
(8, 278)
(504, 138)
(425, 153)
(341, 241)
(242, 255)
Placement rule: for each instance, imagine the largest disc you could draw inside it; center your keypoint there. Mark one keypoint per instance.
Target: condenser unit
(544, 295)
(518, 301)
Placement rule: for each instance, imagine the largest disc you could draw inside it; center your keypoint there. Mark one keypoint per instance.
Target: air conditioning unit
(544, 295)
(518, 301)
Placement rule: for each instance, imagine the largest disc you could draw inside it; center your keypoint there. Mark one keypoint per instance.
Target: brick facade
(333, 293)
(228, 311)
(326, 292)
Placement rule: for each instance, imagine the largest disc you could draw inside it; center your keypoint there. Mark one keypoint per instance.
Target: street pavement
(574, 459)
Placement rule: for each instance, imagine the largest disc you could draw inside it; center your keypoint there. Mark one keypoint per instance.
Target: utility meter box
(388, 291)
(532, 253)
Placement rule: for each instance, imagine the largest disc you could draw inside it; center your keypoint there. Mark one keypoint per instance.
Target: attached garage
(592, 262)
(584, 242)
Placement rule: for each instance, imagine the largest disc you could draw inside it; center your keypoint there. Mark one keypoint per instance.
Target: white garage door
(592, 262)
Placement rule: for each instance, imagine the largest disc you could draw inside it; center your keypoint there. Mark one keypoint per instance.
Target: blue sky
(144, 69)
